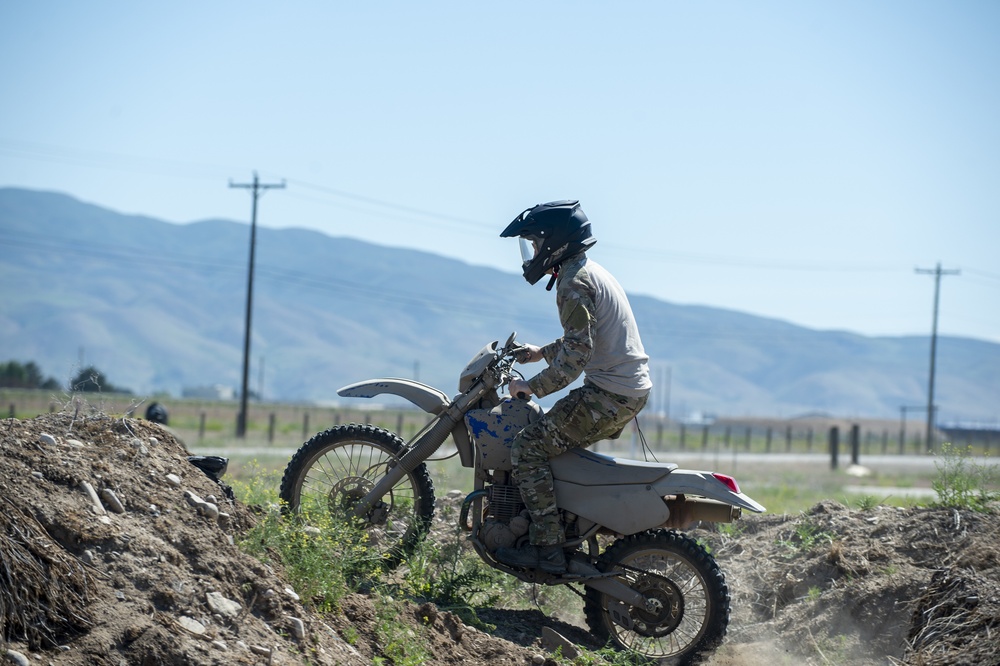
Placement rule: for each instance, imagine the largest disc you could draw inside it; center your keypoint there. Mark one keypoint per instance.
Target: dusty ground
(156, 581)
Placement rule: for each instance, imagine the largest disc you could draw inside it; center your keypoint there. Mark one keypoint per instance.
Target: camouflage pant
(586, 415)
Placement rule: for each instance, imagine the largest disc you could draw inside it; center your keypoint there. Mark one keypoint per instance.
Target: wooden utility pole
(937, 273)
(257, 189)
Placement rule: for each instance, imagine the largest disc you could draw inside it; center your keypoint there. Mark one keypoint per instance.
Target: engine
(505, 520)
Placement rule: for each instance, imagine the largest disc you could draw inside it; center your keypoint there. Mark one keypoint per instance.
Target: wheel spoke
(336, 469)
(691, 601)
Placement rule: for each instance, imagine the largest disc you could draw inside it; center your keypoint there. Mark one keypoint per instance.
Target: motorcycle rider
(600, 340)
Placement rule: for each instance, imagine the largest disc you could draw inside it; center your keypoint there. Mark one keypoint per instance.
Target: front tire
(690, 594)
(338, 467)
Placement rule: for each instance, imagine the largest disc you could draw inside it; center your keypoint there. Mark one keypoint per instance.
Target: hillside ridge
(159, 307)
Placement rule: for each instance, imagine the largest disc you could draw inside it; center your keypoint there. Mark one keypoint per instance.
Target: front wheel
(335, 469)
(688, 610)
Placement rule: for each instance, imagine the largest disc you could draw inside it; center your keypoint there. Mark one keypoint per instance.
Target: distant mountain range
(158, 307)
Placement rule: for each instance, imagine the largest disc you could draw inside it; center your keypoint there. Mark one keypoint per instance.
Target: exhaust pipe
(684, 512)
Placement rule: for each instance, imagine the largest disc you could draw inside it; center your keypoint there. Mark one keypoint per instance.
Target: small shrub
(805, 535)
(451, 576)
(867, 502)
(323, 556)
(401, 645)
(961, 482)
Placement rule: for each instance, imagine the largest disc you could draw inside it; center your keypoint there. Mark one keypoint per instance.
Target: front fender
(423, 396)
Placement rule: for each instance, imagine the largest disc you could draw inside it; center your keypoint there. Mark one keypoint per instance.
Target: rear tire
(338, 467)
(685, 580)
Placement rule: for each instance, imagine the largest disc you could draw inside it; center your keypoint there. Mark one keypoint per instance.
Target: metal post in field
(834, 446)
(855, 443)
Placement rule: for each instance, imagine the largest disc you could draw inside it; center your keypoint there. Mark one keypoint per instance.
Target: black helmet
(561, 229)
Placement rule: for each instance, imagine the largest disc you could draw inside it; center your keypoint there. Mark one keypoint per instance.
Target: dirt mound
(115, 549)
(840, 586)
(107, 557)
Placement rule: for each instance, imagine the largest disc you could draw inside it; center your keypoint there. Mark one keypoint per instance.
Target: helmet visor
(527, 249)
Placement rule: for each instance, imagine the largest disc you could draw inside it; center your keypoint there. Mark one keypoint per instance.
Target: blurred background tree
(14, 374)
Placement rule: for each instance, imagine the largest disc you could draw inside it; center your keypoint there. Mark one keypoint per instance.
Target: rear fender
(704, 484)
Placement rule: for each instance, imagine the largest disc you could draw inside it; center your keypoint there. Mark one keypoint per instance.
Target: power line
(333, 283)
(131, 163)
(937, 272)
(257, 189)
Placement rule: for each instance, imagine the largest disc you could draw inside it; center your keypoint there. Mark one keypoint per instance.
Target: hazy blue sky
(796, 160)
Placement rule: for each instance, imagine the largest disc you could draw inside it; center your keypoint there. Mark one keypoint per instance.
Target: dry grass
(43, 588)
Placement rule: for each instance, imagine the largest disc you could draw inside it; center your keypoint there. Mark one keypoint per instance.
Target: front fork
(423, 448)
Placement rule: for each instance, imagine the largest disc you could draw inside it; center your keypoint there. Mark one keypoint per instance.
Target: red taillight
(728, 482)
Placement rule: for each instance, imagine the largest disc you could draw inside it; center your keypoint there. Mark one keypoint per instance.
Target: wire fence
(287, 424)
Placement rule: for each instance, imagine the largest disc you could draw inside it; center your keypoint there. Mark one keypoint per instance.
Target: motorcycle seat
(586, 468)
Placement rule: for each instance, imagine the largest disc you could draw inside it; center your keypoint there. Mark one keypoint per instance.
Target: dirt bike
(649, 588)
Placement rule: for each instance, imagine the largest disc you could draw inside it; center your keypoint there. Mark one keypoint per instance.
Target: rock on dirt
(110, 554)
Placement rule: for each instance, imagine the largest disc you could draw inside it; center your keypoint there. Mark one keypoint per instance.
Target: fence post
(305, 424)
(12, 410)
(809, 440)
(399, 424)
(885, 441)
(749, 430)
(834, 446)
(729, 430)
(270, 428)
(768, 448)
(201, 427)
(704, 438)
(659, 434)
(683, 431)
(788, 439)
(855, 443)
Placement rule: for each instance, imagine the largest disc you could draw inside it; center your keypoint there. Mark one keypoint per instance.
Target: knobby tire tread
(327, 440)
(700, 559)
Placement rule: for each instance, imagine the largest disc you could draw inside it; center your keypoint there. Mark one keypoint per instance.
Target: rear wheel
(335, 469)
(688, 610)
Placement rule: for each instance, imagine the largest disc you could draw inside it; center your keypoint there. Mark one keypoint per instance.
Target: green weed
(401, 646)
(961, 482)
(324, 556)
(804, 536)
(866, 502)
(451, 576)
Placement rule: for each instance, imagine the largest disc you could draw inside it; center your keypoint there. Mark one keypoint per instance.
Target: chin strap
(552, 280)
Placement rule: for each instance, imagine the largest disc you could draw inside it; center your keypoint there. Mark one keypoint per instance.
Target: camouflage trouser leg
(586, 415)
